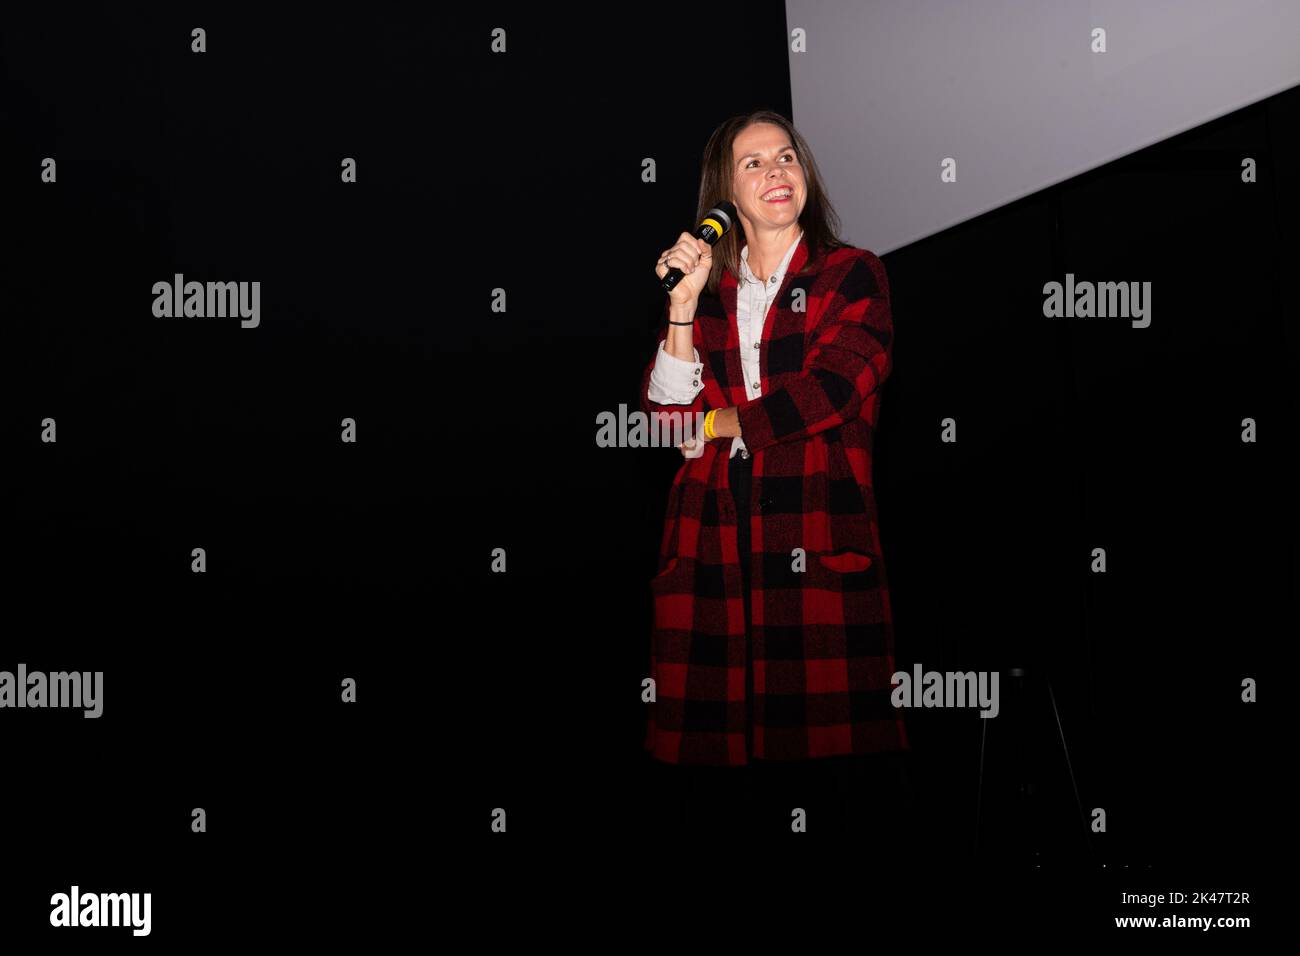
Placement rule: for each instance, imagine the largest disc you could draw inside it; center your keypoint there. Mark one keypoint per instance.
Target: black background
(372, 560)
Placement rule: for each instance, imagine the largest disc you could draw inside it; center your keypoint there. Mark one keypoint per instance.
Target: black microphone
(715, 224)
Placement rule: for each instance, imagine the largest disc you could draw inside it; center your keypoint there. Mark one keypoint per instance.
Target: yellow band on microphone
(717, 226)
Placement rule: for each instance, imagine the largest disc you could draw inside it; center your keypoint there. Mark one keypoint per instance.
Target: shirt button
(696, 382)
(773, 279)
(755, 345)
(756, 386)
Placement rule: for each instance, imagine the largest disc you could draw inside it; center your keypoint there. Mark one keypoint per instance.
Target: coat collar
(803, 262)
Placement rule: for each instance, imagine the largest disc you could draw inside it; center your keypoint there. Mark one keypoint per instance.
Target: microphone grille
(726, 214)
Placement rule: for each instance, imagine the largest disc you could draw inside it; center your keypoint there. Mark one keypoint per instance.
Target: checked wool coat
(822, 636)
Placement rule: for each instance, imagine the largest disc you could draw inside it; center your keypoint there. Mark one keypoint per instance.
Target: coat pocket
(848, 571)
(847, 562)
(666, 576)
(843, 590)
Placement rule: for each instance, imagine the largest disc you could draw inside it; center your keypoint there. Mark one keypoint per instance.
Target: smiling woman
(746, 158)
(773, 638)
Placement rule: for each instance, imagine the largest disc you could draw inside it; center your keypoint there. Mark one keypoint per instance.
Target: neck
(767, 249)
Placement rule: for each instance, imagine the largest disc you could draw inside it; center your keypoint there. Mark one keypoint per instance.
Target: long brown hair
(820, 224)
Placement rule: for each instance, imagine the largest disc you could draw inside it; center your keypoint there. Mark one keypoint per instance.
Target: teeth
(777, 194)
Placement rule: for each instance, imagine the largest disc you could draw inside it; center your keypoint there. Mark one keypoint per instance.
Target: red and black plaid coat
(823, 643)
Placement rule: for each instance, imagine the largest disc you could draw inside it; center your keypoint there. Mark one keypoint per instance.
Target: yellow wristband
(709, 434)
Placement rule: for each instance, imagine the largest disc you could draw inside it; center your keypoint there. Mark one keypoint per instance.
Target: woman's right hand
(694, 257)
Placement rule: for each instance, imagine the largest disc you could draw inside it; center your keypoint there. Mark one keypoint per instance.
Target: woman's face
(765, 161)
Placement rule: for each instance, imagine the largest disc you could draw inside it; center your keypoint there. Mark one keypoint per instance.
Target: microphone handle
(674, 274)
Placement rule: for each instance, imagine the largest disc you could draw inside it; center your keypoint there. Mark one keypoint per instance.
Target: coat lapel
(780, 322)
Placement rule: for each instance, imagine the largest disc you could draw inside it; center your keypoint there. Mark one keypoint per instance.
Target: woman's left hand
(692, 448)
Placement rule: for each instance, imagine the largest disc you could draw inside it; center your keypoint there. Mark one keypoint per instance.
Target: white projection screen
(886, 90)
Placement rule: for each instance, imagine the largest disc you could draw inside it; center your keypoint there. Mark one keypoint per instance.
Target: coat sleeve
(657, 412)
(848, 361)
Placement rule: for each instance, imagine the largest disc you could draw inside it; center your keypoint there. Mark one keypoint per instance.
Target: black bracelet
(671, 322)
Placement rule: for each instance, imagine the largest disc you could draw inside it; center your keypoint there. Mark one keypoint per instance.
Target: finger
(690, 255)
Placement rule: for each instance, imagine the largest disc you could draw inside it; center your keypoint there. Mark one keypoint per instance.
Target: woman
(773, 636)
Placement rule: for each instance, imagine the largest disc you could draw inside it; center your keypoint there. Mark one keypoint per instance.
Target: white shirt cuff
(674, 381)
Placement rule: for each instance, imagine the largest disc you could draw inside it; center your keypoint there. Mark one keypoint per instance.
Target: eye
(783, 156)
